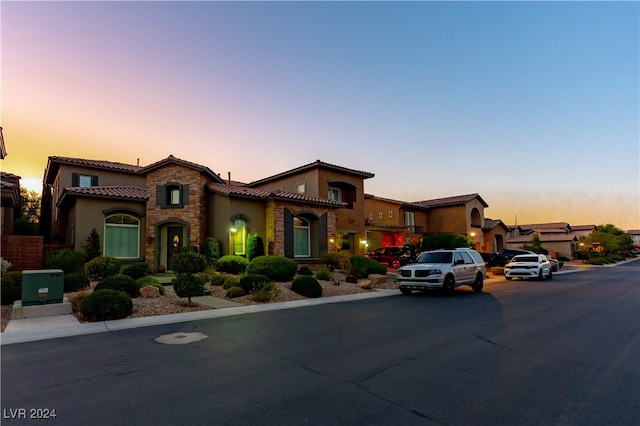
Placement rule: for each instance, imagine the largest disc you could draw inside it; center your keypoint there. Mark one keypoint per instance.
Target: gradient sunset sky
(535, 106)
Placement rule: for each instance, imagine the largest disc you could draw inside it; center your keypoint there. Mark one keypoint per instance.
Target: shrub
(252, 282)
(188, 262)
(68, 260)
(331, 260)
(235, 291)
(189, 286)
(5, 265)
(208, 274)
(232, 264)
(211, 251)
(362, 266)
(149, 280)
(92, 248)
(307, 286)
(77, 299)
(120, 282)
(323, 274)
(232, 282)
(102, 267)
(255, 247)
(106, 304)
(10, 287)
(218, 279)
(305, 270)
(276, 268)
(137, 270)
(75, 281)
(265, 292)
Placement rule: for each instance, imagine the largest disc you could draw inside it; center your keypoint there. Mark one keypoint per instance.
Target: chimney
(229, 179)
(138, 162)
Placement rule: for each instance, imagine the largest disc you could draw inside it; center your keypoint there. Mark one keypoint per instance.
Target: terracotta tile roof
(583, 228)
(243, 191)
(633, 232)
(492, 223)
(311, 166)
(98, 164)
(450, 201)
(174, 160)
(550, 225)
(9, 180)
(544, 238)
(403, 204)
(120, 192)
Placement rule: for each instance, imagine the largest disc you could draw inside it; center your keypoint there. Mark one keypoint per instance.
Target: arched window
(122, 236)
(301, 237)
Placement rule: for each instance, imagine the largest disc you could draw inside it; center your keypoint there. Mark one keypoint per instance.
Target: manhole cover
(180, 338)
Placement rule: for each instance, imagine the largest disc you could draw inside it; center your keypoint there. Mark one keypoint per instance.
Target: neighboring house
(393, 223)
(556, 237)
(582, 230)
(463, 214)
(149, 213)
(10, 202)
(321, 180)
(635, 237)
(495, 236)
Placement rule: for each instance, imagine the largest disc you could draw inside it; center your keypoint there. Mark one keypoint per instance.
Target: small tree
(186, 265)
(444, 240)
(92, 248)
(255, 246)
(212, 251)
(536, 245)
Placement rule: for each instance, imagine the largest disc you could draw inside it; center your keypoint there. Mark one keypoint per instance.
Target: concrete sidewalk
(32, 329)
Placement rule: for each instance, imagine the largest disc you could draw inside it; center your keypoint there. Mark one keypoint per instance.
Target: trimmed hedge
(323, 274)
(235, 291)
(252, 282)
(232, 264)
(362, 267)
(276, 268)
(120, 282)
(74, 282)
(307, 286)
(305, 270)
(106, 304)
(102, 267)
(149, 280)
(68, 260)
(137, 270)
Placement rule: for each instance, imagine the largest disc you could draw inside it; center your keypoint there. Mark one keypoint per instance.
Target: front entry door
(174, 244)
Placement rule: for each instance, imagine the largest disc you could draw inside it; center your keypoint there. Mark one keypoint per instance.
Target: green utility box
(44, 286)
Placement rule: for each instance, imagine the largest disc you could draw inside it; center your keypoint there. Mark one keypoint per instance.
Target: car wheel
(478, 284)
(406, 291)
(508, 278)
(540, 275)
(550, 276)
(395, 263)
(449, 286)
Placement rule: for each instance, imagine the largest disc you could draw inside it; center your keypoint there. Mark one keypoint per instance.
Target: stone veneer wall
(275, 223)
(194, 213)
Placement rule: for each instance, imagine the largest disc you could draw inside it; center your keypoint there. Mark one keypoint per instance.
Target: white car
(444, 270)
(535, 266)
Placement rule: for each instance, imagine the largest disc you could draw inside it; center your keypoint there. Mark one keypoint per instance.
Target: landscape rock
(149, 292)
(366, 284)
(377, 279)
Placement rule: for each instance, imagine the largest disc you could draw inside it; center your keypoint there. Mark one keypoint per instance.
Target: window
(239, 236)
(380, 215)
(370, 216)
(301, 188)
(122, 236)
(410, 221)
(301, 240)
(390, 213)
(172, 195)
(83, 181)
(334, 194)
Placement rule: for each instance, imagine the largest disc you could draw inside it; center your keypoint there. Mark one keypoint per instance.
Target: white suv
(443, 269)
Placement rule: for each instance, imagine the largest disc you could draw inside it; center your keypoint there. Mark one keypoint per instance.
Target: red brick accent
(23, 251)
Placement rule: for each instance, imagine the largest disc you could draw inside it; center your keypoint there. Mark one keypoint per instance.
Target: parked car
(392, 256)
(555, 265)
(501, 259)
(535, 266)
(444, 270)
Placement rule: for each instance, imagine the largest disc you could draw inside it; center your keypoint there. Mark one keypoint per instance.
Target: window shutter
(159, 195)
(185, 195)
(288, 234)
(322, 234)
(75, 179)
(94, 180)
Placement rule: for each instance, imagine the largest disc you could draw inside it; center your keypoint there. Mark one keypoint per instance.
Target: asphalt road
(559, 352)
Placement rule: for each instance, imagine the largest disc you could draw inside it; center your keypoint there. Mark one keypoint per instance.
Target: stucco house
(556, 237)
(393, 223)
(149, 212)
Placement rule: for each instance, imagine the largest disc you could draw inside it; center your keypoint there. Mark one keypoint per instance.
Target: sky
(533, 105)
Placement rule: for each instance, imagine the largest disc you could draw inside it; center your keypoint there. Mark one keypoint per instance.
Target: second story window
(172, 195)
(334, 194)
(301, 188)
(83, 181)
